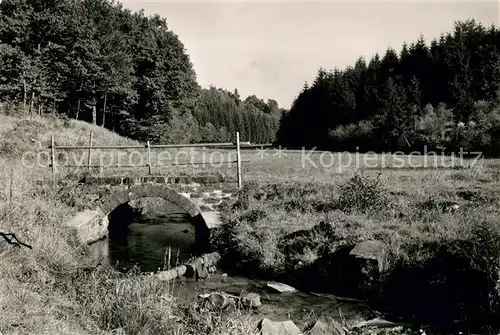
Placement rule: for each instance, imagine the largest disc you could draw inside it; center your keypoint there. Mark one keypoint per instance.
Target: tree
(222, 135)
(183, 128)
(433, 125)
(208, 133)
(393, 119)
(389, 66)
(414, 95)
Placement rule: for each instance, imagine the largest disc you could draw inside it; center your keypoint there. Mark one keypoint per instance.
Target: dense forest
(93, 60)
(442, 94)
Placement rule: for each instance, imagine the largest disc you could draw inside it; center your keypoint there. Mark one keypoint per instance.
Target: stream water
(144, 243)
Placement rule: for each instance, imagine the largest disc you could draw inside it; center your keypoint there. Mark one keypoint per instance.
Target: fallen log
(190, 269)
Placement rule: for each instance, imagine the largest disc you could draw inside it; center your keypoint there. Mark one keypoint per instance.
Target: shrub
(351, 136)
(363, 194)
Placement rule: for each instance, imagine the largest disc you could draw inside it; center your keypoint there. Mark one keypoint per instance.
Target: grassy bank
(444, 258)
(364, 207)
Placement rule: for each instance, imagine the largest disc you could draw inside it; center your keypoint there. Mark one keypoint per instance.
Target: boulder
(201, 270)
(224, 278)
(371, 250)
(251, 300)
(88, 226)
(281, 288)
(453, 208)
(217, 299)
(370, 258)
(327, 327)
(268, 327)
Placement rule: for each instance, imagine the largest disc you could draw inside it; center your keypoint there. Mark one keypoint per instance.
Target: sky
(271, 49)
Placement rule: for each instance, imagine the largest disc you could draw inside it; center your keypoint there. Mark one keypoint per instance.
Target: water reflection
(143, 240)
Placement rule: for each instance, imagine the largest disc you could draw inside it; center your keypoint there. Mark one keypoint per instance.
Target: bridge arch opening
(121, 200)
(142, 234)
(149, 191)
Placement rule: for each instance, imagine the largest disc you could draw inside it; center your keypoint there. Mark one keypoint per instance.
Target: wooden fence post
(10, 186)
(238, 159)
(149, 157)
(53, 156)
(89, 160)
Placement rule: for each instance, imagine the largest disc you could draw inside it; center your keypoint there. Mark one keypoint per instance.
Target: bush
(363, 194)
(351, 136)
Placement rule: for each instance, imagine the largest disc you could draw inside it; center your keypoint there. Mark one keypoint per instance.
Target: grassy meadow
(439, 221)
(50, 289)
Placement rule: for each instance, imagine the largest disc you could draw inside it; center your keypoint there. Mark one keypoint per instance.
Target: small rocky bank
(263, 311)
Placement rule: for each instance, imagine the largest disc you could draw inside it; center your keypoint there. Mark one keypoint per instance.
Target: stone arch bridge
(198, 196)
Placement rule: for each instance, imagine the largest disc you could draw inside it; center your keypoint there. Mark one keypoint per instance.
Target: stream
(144, 242)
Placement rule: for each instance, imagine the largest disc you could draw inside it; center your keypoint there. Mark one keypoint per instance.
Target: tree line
(443, 95)
(93, 60)
(256, 120)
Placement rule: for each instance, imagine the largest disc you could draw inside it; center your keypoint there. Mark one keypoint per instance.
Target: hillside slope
(19, 134)
(31, 297)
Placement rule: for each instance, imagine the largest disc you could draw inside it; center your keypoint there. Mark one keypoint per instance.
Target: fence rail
(164, 146)
(148, 147)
